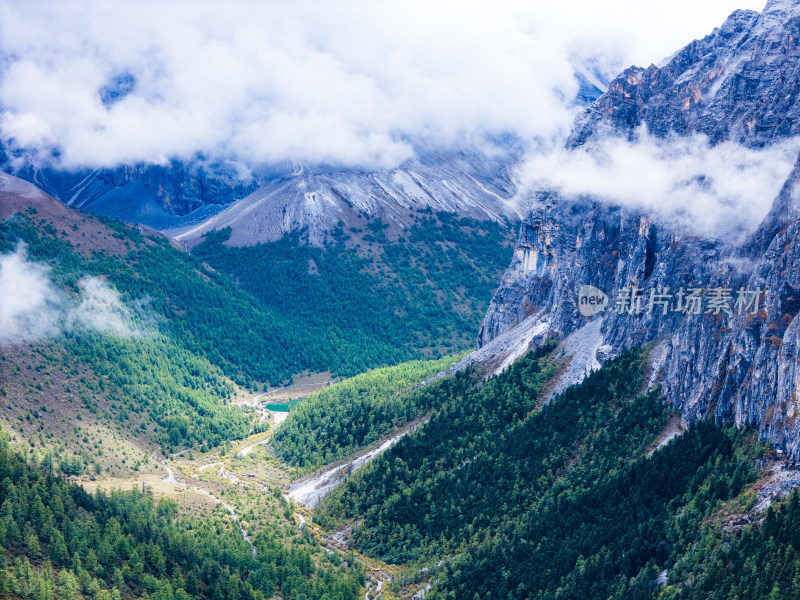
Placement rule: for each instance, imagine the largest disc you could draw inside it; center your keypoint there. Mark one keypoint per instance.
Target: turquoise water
(284, 406)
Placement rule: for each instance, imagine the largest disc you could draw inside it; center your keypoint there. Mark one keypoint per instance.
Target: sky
(355, 84)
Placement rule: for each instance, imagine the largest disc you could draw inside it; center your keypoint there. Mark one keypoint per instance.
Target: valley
(291, 312)
(243, 475)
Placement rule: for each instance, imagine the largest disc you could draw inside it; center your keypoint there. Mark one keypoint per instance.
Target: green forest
(152, 381)
(497, 493)
(503, 497)
(423, 295)
(257, 325)
(260, 316)
(57, 541)
(338, 421)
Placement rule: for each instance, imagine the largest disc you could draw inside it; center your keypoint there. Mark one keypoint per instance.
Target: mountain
(135, 339)
(185, 197)
(740, 366)
(101, 337)
(159, 196)
(186, 194)
(563, 473)
(505, 495)
(316, 201)
(546, 464)
(738, 84)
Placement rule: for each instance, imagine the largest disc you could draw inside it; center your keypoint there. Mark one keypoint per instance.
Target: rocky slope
(316, 201)
(190, 198)
(734, 359)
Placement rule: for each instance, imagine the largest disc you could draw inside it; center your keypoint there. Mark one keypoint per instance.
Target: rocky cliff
(739, 83)
(722, 316)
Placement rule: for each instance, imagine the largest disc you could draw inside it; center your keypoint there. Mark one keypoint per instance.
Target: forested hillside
(287, 307)
(191, 331)
(338, 421)
(367, 300)
(505, 498)
(145, 377)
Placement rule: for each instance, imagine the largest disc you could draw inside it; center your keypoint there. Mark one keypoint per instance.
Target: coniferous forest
(566, 499)
(60, 542)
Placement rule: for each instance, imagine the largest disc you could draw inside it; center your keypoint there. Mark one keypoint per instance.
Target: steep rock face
(741, 365)
(567, 243)
(744, 368)
(739, 83)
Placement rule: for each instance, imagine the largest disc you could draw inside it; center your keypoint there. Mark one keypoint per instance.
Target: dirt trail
(170, 478)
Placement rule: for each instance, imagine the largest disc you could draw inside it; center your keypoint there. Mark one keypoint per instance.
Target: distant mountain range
(186, 197)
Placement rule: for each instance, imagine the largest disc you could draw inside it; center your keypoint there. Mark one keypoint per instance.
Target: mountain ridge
(735, 84)
(315, 202)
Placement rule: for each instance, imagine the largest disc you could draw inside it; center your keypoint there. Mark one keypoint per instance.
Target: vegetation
(759, 562)
(140, 379)
(57, 541)
(500, 495)
(559, 501)
(337, 421)
(423, 294)
(198, 327)
(261, 315)
(154, 382)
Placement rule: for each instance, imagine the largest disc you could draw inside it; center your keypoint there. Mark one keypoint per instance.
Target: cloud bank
(719, 191)
(344, 83)
(32, 309)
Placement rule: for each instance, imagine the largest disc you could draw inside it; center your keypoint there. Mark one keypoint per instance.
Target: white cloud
(32, 309)
(353, 83)
(101, 309)
(722, 191)
(28, 308)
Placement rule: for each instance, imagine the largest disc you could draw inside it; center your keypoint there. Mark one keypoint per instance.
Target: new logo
(591, 300)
